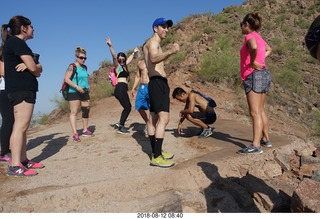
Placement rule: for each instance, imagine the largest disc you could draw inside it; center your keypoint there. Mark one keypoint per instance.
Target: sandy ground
(111, 172)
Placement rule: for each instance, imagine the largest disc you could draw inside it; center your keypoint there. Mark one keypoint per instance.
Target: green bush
(316, 122)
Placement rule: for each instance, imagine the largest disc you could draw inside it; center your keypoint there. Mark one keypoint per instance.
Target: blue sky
(61, 26)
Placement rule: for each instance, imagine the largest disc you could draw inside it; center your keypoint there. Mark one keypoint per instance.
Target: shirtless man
(159, 90)
(206, 114)
(142, 98)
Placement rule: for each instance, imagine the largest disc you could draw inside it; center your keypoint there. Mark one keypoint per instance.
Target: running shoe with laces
(6, 158)
(122, 130)
(116, 125)
(266, 143)
(250, 150)
(32, 165)
(20, 171)
(76, 138)
(165, 155)
(206, 133)
(161, 162)
(87, 133)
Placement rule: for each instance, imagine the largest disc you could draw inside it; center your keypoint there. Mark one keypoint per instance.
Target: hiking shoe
(122, 130)
(87, 133)
(251, 150)
(20, 171)
(76, 138)
(161, 162)
(6, 158)
(266, 143)
(32, 165)
(206, 133)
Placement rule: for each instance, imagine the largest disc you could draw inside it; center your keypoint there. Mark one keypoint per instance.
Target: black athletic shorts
(258, 81)
(206, 117)
(79, 96)
(18, 97)
(159, 94)
(312, 37)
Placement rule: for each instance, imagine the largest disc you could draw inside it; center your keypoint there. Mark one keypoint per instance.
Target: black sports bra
(123, 73)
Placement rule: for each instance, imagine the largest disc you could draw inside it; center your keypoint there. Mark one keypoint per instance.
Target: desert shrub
(61, 103)
(221, 63)
(105, 63)
(179, 56)
(289, 78)
(43, 119)
(316, 122)
(195, 37)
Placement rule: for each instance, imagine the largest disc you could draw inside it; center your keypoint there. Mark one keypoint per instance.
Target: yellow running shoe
(161, 162)
(167, 155)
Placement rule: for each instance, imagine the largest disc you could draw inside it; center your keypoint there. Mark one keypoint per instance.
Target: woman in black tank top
(120, 62)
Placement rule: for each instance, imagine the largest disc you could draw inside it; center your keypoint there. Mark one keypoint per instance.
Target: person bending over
(203, 117)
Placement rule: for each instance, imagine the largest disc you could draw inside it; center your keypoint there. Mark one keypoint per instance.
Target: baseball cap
(161, 21)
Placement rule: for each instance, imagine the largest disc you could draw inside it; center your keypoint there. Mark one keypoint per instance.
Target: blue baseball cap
(162, 21)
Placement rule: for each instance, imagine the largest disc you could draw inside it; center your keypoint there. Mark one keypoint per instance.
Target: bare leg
(22, 117)
(255, 106)
(197, 122)
(143, 115)
(74, 106)
(162, 123)
(265, 130)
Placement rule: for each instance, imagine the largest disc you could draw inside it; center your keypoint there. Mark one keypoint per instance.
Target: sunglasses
(121, 60)
(82, 58)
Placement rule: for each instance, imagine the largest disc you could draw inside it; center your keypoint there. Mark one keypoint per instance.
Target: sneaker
(161, 162)
(122, 130)
(251, 150)
(165, 155)
(20, 171)
(76, 138)
(32, 165)
(116, 125)
(266, 143)
(206, 133)
(6, 158)
(87, 133)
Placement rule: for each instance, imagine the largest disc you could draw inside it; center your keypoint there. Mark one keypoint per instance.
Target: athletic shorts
(206, 117)
(18, 97)
(159, 93)
(259, 81)
(312, 37)
(79, 96)
(142, 98)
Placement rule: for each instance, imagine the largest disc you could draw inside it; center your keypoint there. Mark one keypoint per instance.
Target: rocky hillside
(209, 56)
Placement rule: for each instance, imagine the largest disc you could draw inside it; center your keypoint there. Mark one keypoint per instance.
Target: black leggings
(6, 110)
(121, 93)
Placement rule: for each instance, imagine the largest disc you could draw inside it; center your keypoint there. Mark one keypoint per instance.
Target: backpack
(212, 103)
(113, 76)
(65, 86)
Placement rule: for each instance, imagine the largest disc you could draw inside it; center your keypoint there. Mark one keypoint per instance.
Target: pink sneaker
(87, 133)
(6, 158)
(76, 138)
(20, 171)
(32, 165)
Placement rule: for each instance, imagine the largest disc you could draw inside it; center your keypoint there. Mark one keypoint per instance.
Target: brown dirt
(111, 172)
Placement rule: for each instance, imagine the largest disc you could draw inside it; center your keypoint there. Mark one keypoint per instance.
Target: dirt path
(111, 172)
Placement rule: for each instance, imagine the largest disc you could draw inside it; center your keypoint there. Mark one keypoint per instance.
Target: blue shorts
(142, 98)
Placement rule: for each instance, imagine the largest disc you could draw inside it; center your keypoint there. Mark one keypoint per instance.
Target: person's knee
(85, 111)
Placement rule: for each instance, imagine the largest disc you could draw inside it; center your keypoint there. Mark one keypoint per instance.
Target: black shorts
(18, 97)
(79, 96)
(259, 81)
(159, 94)
(206, 117)
(312, 37)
